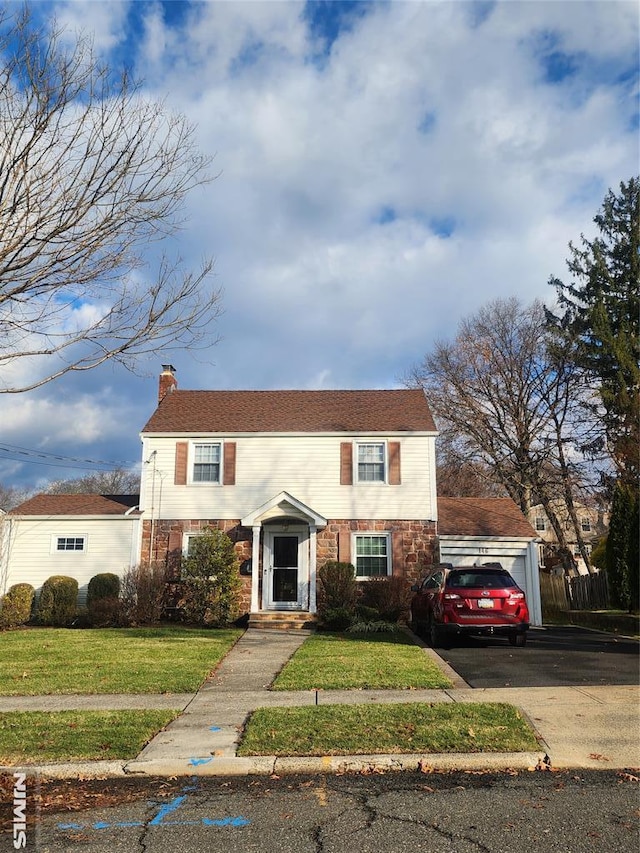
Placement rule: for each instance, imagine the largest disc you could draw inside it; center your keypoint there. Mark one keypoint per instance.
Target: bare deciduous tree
(91, 175)
(116, 482)
(508, 402)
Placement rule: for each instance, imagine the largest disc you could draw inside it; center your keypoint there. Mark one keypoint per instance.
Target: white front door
(285, 583)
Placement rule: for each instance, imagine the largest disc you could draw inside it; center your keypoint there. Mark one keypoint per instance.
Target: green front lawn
(389, 729)
(372, 661)
(110, 660)
(40, 736)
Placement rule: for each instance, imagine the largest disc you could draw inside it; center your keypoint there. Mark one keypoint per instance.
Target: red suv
(469, 600)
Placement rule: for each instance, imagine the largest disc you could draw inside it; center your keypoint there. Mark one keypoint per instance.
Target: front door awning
(283, 506)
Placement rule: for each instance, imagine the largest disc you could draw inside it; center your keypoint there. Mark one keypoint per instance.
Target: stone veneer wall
(414, 544)
(168, 545)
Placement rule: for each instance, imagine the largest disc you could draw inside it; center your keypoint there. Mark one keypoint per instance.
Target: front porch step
(282, 620)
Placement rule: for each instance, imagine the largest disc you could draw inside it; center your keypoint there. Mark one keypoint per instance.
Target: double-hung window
(541, 523)
(206, 463)
(371, 462)
(372, 555)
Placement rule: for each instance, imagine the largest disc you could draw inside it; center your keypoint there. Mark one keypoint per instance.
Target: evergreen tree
(210, 580)
(622, 548)
(600, 313)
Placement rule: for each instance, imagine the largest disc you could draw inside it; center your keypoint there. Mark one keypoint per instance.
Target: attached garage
(473, 531)
(76, 535)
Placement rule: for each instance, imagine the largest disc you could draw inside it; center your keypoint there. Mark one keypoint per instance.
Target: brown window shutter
(344, 546)
(394, 463)
(346, 463)
(175, 541)
(229, 462)
(397, 553)
(182, 451)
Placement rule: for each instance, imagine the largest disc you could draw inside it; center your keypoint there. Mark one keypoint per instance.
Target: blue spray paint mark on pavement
(215, 729)
(167, 809)
(226, 821)
(160, 818)
(196, 762)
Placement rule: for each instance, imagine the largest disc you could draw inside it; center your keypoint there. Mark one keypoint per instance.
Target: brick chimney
(168, 381)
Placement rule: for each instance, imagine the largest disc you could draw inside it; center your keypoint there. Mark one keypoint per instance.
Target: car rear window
(470, 579)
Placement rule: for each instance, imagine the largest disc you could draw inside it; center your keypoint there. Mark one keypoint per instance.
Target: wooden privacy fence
(587, 592)
(553, 595)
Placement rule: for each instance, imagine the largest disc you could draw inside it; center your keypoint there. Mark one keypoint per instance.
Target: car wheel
(436, 635)
(416, 626)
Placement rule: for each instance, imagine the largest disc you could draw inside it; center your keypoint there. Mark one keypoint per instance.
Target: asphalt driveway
(555, 656)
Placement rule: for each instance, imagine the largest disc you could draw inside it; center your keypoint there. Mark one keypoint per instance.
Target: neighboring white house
(594, 523)
(75, 535)
(295, 478)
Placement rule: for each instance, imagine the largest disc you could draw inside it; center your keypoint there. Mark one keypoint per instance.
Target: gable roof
(292, 411)
(482, 517)
(77, 504)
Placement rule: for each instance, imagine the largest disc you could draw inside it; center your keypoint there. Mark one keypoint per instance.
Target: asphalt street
(570, 812)
(554, 656)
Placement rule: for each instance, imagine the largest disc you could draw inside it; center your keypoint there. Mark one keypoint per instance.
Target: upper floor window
(541, 523)
(372, 555)
(70, 543)
(371, 462)
(586, 524)
(206, 463)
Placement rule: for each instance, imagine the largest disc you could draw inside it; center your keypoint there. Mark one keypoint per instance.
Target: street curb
(270, 765)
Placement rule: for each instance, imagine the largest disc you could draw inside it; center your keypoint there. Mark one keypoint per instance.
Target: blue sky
(385, 169)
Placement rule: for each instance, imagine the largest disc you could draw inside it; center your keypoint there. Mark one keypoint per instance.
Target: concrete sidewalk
(594, 727)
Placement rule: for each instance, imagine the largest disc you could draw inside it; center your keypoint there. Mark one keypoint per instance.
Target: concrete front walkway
(592, 727)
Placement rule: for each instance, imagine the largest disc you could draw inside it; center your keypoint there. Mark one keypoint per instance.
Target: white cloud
(340, 174)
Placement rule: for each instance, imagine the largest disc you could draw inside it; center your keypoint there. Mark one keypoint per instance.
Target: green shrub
(143, 594)
(16, 605)
(389, 598)
(211, 581)
(104, 613)
(337, 594)
(103, 603)
(336, 618)
(104, 585)
(58, 601)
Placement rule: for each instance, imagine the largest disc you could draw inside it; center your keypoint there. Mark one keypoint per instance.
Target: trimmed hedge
(58, 602)
(104, 585)
(16, 605)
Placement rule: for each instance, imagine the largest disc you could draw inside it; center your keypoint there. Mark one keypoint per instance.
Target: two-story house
(295, 478)
(593, 521)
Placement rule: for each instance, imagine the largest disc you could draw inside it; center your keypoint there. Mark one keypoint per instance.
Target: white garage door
(515, 565)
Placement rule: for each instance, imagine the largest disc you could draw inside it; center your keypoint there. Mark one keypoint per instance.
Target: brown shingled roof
(77, 504)
(482, 517)
(292, 411)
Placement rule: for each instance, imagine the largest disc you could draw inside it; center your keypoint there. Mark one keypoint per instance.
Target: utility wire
(56, 460)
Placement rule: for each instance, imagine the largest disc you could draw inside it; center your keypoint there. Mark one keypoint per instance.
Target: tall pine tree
(599, 312)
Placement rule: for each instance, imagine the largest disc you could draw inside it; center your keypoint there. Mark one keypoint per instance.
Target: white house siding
(518, 556)
(30, 555)
(307, 466)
